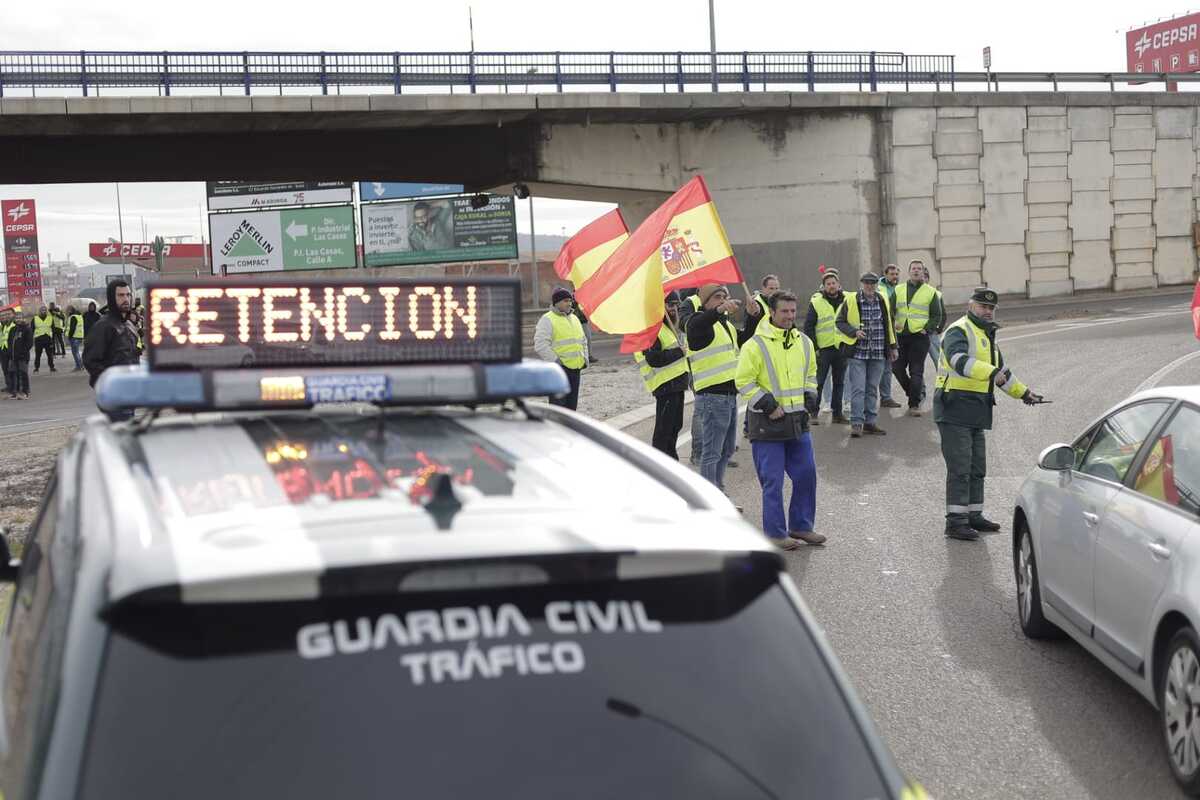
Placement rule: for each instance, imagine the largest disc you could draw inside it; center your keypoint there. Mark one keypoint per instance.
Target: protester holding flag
(713, 344)
(664, 370)
(559, 337)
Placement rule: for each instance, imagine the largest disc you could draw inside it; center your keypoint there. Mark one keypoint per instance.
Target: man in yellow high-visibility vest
(43, 339)
(75, 335)
(819, 326)
(559, 337)
(664, 370)
(917, 313)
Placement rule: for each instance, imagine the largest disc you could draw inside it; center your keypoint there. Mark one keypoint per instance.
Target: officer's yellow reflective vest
(972, 371)
(854, 317)
(765, 365)
(568, 339)
(655, 377)
(912, 313)
(43, 327)
(827, 335)
(77, 333)
(716, 363)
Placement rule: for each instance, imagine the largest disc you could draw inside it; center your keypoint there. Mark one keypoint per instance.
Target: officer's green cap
(985, 295)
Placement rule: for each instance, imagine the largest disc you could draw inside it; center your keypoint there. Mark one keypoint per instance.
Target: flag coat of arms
(682, 244)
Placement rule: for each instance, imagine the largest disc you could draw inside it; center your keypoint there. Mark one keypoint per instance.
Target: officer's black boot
(958, 528)
(982, 524)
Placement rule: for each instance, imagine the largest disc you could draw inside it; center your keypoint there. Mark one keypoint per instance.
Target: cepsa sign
(1171, 46)
(324, 323)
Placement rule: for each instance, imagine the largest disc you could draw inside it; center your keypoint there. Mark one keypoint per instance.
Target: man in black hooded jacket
(112, 341)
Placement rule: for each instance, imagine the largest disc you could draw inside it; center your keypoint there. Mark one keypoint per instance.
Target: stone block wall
(1046, 200)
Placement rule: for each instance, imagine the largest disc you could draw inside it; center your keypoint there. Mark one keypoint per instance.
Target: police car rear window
(271, 461)
(701, 686)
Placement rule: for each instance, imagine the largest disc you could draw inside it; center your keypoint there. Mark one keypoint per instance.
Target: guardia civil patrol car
(364, 563)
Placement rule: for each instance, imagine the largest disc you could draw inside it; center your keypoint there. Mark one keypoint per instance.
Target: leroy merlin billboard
(285, 239)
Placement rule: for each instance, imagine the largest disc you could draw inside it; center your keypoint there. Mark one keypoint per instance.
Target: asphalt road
(927, 627)
(57, 399)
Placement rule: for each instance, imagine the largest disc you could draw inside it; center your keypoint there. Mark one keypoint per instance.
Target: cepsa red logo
(1169, 46)
(19, 217)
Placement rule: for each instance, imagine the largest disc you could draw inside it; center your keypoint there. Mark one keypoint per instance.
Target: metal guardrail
(91, 71)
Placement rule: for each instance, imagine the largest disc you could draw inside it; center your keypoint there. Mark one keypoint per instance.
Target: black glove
(1031, 399)
(811, 404)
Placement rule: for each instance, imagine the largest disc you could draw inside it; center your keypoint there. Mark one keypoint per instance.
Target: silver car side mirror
(1057, 457)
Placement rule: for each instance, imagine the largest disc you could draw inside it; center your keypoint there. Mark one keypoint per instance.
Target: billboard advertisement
(384, 190)
(223, 195)
(21, 263)
(283, 239)
(434, 231)
(1171, 46)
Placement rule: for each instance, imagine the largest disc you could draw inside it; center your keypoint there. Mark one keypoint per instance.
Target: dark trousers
(570, 399)
(831, 360)
(909, 366)
(43, 344)
(965, 452)
(668, 421)
(20, 376)
(60, 348)
(5, 366)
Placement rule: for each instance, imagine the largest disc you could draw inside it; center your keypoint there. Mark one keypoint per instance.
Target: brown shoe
(856, 431)
(808, 537)
(889, 404)
(914, 412)
(813, 420)
(785, 542)
(838, 419)
(874, 430)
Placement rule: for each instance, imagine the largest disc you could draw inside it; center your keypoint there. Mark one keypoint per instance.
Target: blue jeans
(697, 435)
(75, 352)
(795, 458)
(885, 382)
(718, 434)
(862, 375)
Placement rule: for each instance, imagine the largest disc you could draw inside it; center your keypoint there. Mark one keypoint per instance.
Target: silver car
(1106, 548)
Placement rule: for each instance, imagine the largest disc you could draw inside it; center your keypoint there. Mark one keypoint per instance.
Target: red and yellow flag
(587, 250)
(1196, 310)
(681, 244)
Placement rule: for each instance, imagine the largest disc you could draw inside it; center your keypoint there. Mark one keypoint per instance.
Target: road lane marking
(1095, 324)
(1153, 380)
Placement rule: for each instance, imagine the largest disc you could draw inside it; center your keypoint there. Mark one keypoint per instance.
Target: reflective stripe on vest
(716, 363)
(5, 327)
(977, 363)
(912, 313)
(655, 377)
(43, 327)
(568, 339)
(791, 397)
(827, 333)
(78, 318)
(854, 318)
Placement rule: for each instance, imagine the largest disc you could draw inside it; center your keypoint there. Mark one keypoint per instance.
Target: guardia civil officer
(970, 368)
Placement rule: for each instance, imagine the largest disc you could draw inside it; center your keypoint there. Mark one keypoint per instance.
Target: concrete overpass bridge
(1034, 193)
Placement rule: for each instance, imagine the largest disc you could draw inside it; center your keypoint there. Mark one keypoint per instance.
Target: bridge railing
(91, 71)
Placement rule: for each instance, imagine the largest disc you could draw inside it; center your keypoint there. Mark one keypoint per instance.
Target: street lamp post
(712, 42)
(121, 230)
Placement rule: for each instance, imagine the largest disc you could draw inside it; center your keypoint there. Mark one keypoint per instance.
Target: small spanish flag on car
(584, 252)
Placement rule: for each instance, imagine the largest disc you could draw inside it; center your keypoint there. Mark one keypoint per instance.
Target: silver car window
(1118, 440)
(1170, 472)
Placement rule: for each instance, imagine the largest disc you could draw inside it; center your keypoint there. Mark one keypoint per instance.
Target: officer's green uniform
(962, 409)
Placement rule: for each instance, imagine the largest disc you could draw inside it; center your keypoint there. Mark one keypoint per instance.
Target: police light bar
(240, 323)
(254, 389)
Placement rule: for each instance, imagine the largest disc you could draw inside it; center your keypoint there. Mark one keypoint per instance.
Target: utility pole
(121, 230)
(533, 265)
(712, 42)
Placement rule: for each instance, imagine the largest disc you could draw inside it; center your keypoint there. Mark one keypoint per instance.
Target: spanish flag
(584, 252)
(681, 244)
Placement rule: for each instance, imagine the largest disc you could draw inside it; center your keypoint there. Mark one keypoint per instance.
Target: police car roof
(227, 507)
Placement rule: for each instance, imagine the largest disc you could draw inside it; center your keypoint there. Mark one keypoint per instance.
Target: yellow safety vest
(716, 363)
(568, 339)
(58, 322)
(854, 317)
(43, 327)
(78, 334)
(827, 335)
(979, 362)
(912, 313)
(655, 377)
(766, 365)
(5, 327)
(695, 301)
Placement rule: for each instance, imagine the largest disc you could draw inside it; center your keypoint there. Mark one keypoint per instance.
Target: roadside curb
(634, 416)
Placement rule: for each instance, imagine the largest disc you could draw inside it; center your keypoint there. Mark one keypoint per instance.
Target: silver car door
(1141, 535)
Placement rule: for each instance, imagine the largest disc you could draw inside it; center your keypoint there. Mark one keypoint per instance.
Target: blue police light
(136, 387)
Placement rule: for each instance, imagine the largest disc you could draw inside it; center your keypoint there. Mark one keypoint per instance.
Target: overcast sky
(1023, 35)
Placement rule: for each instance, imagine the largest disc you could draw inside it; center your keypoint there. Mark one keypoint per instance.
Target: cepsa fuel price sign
(232, 323)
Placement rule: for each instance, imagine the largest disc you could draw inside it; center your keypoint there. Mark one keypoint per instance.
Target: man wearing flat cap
(969, 371)
(559, 337)
(868, 342)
